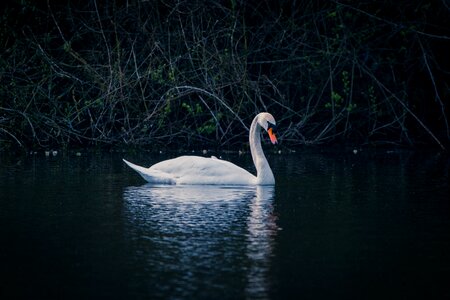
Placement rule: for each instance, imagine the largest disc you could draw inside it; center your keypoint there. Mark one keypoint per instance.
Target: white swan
(203, 170)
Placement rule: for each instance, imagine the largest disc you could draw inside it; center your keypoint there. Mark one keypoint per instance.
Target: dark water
(371, 225)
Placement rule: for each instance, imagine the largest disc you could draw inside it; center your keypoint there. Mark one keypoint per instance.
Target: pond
(337, 225)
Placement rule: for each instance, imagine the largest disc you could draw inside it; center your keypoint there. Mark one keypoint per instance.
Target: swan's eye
(271, 126)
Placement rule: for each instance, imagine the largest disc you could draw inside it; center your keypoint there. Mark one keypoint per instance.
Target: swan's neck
(264, 174)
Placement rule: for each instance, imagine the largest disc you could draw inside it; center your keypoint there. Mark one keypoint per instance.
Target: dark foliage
(194, 73)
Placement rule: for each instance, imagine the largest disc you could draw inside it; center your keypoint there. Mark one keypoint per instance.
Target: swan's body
(203, 170)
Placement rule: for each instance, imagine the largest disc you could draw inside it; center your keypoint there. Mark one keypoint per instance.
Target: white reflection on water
(201, 241)
(262, 229)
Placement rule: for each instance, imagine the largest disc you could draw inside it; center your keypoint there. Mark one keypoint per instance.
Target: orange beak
(272, 136)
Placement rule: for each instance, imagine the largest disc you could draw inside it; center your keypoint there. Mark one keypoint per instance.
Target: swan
(211, 170)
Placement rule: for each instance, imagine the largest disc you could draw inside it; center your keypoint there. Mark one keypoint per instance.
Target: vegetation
(194, 73)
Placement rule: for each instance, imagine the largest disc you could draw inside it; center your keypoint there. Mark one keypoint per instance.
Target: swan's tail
(151, 176)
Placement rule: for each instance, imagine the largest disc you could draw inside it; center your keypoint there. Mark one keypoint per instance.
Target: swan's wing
(203, 170)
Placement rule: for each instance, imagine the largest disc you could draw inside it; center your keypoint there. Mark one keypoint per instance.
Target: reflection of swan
(261, 232)
(202, 170)
(193, 241)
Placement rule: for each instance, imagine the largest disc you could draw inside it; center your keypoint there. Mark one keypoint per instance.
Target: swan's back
(203, 170)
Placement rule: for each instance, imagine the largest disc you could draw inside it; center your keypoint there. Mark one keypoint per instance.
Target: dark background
(194, 73)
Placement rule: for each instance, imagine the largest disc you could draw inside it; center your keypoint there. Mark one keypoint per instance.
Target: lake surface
(370, 225)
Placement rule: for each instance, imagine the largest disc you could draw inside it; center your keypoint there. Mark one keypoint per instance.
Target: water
(371, 225)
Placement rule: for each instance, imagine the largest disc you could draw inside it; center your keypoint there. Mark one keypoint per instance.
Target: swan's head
(267, 121)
